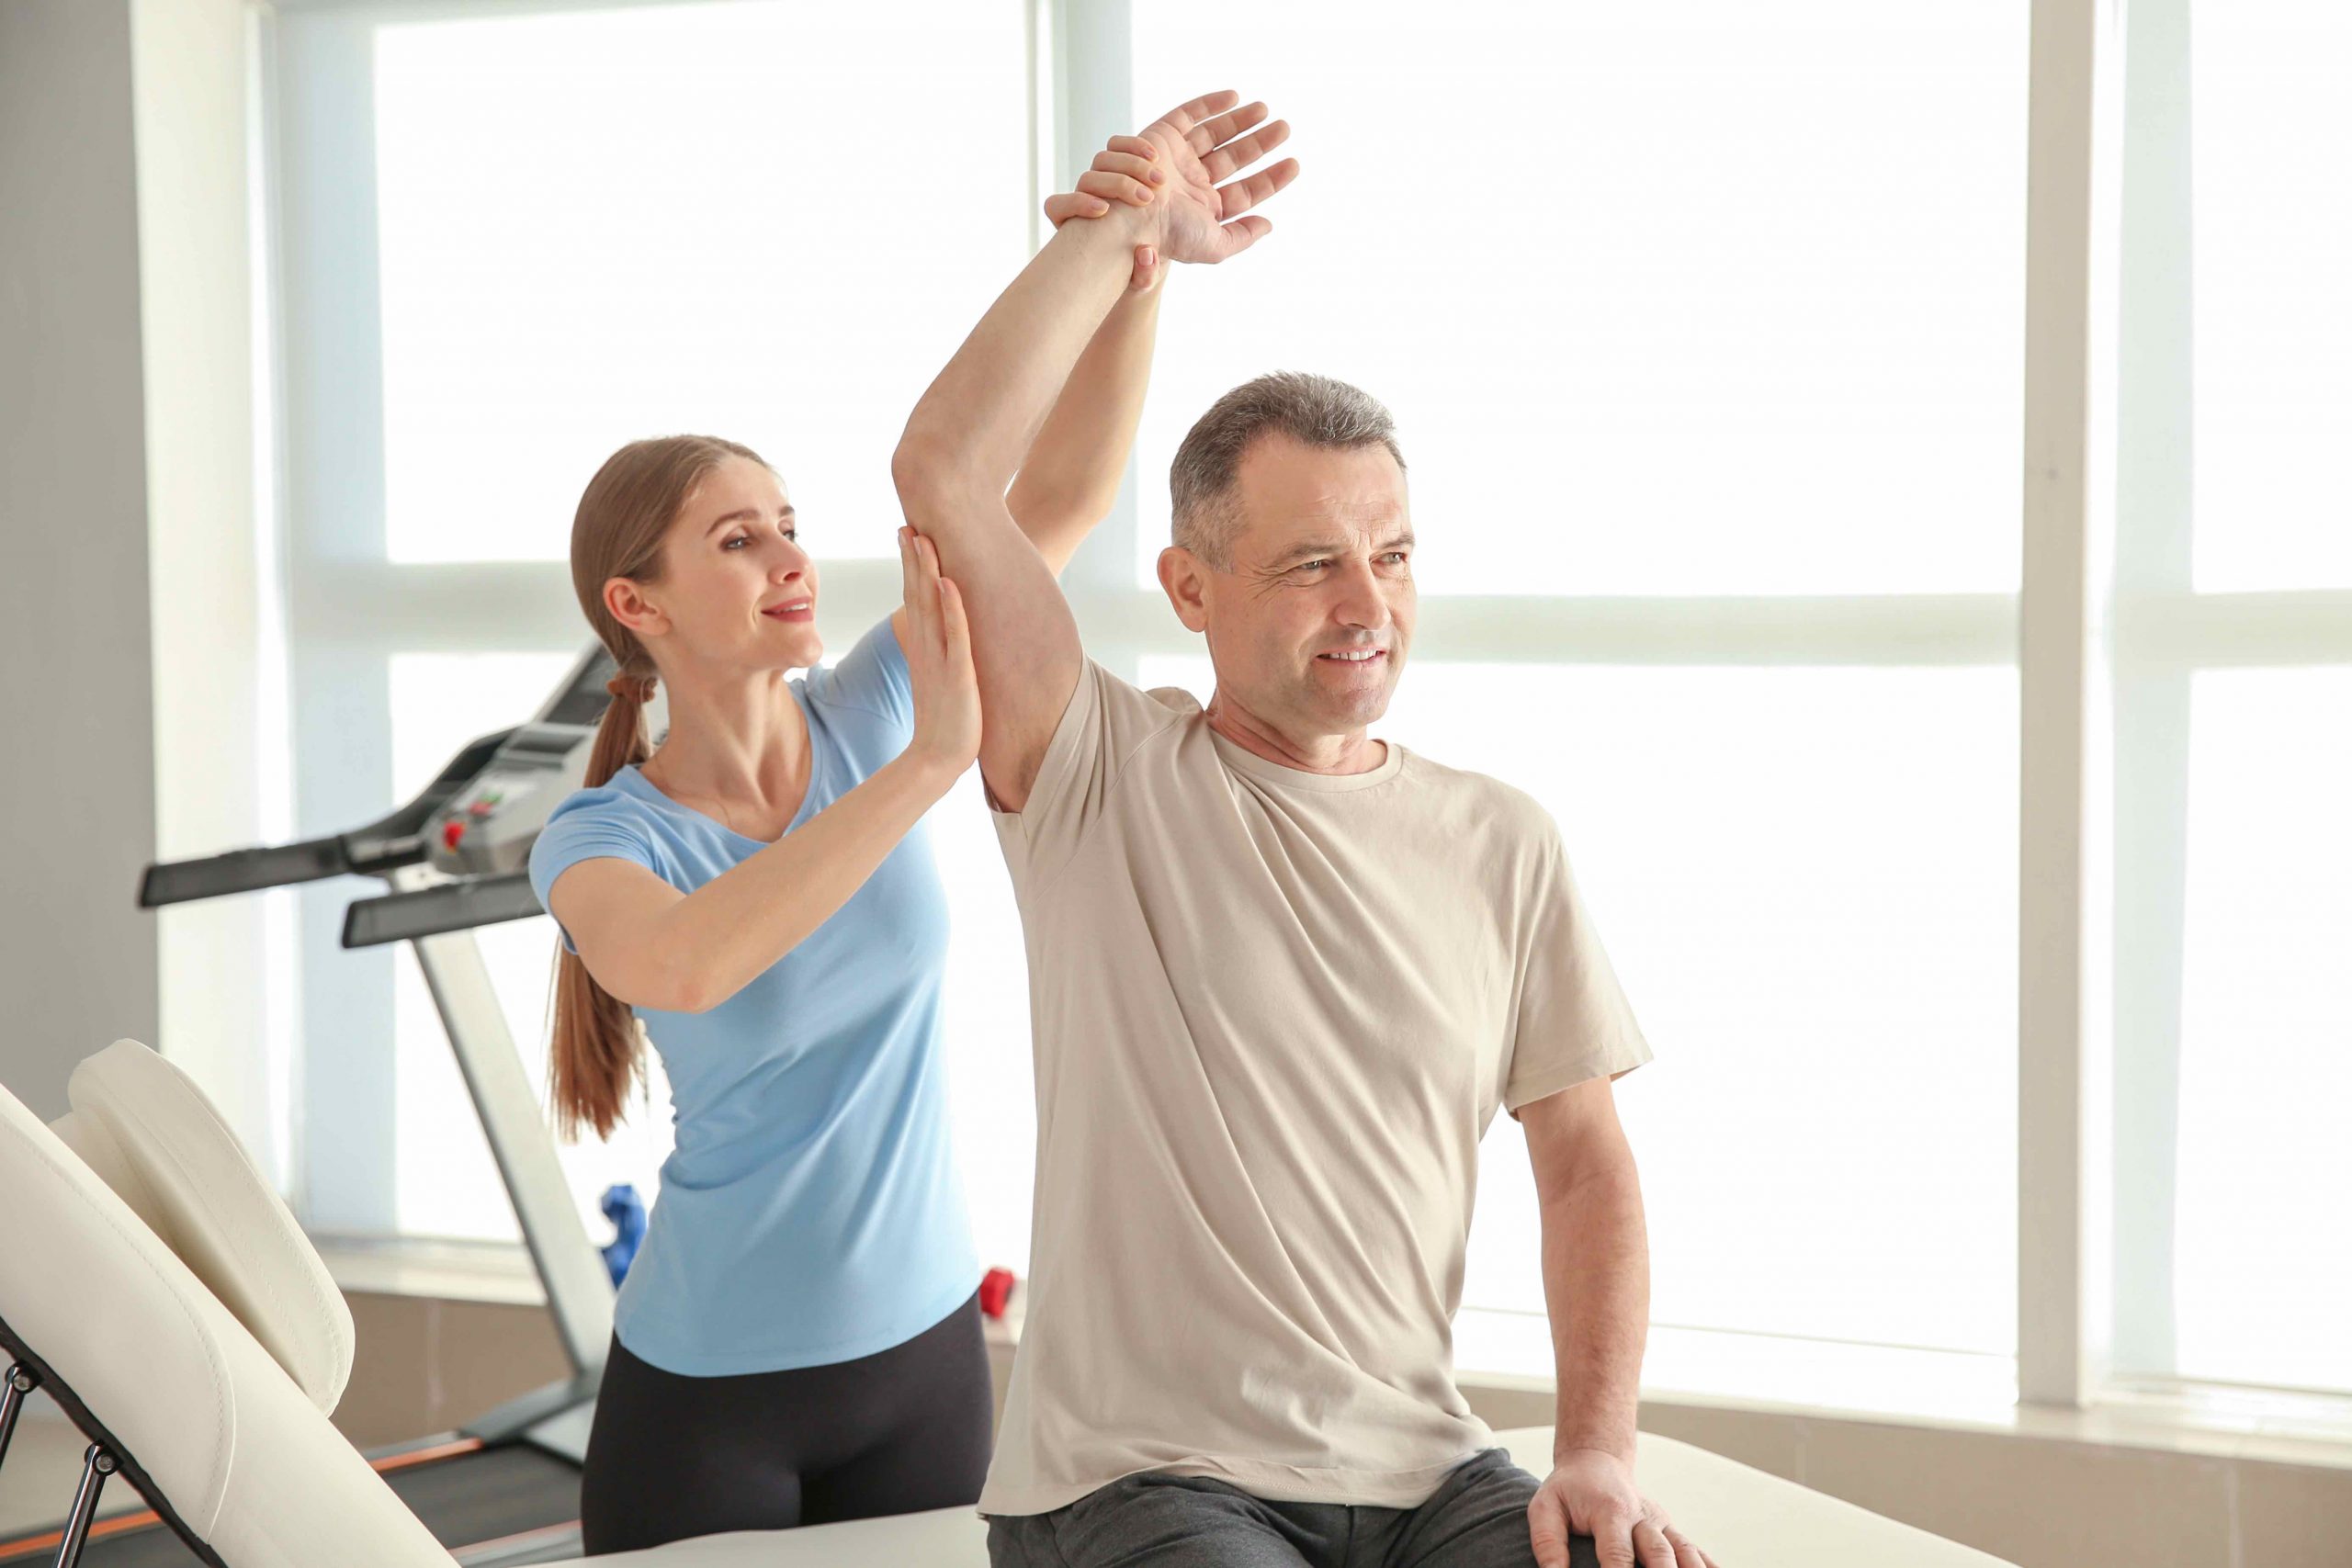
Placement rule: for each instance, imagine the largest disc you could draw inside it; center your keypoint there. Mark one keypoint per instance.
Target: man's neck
(1350, 753)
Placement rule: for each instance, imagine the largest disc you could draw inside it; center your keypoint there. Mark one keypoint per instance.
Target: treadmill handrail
(382, 846)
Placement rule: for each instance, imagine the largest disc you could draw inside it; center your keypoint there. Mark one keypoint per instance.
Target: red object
(996, 1289)
(451, 831)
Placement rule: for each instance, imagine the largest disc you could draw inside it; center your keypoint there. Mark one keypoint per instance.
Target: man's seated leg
(1477, 1519)
(1152, 1520)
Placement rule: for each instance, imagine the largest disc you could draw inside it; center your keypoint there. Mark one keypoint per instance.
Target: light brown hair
(595, 1050)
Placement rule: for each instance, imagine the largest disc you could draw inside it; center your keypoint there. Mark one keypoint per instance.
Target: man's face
(1309, 619)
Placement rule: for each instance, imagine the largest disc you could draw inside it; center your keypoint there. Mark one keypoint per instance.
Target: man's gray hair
(1315, 410)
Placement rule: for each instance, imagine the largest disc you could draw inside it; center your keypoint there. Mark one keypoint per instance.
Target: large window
(603, 225)
(1680, 300)
(515, 237)
(2234, 680)
(1671, 344)
(2266, 119)
(1706, 330)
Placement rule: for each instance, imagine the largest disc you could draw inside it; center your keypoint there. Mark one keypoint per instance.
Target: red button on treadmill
(451, 832)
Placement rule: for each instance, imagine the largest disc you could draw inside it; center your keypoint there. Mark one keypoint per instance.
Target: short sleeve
(585, 833)
(873, 678)
(1106, 721)
(1572, 1022)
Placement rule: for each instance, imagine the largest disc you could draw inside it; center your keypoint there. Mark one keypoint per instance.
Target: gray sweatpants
(1476, 1518)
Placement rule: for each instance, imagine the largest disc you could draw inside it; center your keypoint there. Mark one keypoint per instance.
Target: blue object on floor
(627, 1210)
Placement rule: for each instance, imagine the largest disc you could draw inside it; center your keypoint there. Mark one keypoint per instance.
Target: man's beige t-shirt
(1273, 1012)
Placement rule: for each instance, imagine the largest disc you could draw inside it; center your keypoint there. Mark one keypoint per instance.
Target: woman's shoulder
(603, 813)
(612, 798)
(870, 685)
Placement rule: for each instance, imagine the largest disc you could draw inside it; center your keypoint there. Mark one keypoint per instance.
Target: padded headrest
(146, 1128)
(210, 1426)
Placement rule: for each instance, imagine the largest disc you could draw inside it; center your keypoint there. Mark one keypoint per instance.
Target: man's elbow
(928, 473)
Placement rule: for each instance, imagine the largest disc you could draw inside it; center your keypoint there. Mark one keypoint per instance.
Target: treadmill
(504, 1490)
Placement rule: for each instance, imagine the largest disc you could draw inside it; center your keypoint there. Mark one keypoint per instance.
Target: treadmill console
(487, 827)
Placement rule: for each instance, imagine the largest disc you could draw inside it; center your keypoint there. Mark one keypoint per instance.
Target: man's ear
(1187, 584)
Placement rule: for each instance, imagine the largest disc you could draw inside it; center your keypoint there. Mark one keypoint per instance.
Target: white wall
(131, 653)
(77, 792)
(210, 594)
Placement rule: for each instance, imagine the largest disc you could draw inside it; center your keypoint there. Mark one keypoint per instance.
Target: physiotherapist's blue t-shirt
(811, 1213)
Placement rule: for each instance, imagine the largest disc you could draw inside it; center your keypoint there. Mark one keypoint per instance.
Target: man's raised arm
(969, 432)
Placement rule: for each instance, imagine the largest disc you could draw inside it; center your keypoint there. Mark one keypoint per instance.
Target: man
(1281, 975)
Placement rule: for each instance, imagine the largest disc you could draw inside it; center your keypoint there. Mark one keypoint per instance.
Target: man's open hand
(1204, 145)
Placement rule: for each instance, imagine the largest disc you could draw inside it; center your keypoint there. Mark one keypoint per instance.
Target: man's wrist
(1125, 224)
(1616, 1448)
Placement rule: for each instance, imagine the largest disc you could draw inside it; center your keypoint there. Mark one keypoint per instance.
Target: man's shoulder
(1175, 700)
(1479, 802)
(1134, 714)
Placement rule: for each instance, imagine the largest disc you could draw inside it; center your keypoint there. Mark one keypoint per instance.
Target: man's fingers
(1185, 116)
(1244, 232)
(1223, 128)
(1651, 1548)
(1239, 197)
(1686, 1553)
(1244, 151)
(1612, 1539)
(1547, 1529)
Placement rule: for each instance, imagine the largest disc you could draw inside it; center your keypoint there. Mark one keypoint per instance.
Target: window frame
(2104, 631)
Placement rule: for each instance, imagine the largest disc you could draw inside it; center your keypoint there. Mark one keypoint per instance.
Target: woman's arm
(653, 946)
(1074, 467)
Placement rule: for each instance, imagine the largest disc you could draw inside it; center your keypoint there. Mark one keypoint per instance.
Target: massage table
(175, 1310)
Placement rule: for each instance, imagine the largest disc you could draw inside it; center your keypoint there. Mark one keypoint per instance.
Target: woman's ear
(628, 605)
(1187, 586)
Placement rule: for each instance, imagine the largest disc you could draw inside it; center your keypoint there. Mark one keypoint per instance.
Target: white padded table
(1744, 1517)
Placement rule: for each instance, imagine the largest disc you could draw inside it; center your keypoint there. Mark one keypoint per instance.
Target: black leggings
(895, 1432)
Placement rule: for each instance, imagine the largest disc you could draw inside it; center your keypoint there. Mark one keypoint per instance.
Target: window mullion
(2155, 433)
(2063, 994)
(1090, 92)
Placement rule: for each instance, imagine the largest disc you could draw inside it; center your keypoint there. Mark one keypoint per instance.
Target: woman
(798, 1339)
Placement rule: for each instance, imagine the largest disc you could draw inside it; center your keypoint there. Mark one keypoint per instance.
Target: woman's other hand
(939, 660)
(1128, 172)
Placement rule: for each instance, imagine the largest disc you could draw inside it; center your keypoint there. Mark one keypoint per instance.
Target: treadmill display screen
(584, 701)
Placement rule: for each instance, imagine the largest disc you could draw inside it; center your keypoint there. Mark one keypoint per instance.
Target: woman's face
(737, 589)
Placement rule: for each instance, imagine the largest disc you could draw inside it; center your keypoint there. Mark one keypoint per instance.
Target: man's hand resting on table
(1592, 1493)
